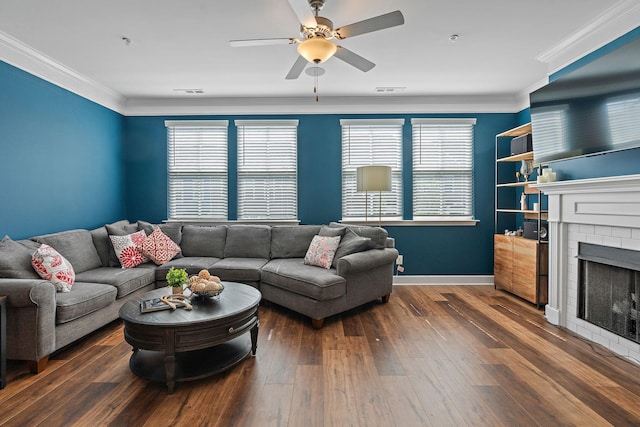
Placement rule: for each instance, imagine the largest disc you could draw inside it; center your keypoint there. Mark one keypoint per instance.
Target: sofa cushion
(292, 241)
(331, 231)
(83, 299)
(314, 282)
(158, 247)
(192, 264)
(120, 228)
(248, 241)
(377, 235)
(76, 246)
(350, 244)
(321, 251)
(52, 266)
(239, 269)
(203, 241)
(102, 242)
(173, 230)
(127, 249)
(124, 280)
(15, 259)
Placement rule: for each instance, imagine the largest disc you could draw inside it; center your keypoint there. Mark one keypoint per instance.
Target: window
(197, 169)
(371, 142)
(442, 168)
(267, 169)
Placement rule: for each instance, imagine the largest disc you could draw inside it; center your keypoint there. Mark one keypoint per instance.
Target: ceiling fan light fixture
(317, 50)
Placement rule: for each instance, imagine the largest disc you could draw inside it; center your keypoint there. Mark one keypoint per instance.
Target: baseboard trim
(443, 280)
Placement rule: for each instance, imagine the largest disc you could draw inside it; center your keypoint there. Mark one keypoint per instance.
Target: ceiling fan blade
(304, 13)
(261, 42)
(297, 68)
(380, 22)
(354, 59)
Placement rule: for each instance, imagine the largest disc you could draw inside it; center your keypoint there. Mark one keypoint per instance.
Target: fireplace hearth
(609, 286)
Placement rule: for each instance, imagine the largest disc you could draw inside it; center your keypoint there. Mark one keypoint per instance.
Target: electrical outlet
(400, 260)
(400, 269)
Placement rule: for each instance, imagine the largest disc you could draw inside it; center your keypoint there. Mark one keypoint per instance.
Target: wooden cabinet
(520, 266)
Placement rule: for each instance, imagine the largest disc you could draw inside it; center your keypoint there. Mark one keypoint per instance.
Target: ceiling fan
(316, 32)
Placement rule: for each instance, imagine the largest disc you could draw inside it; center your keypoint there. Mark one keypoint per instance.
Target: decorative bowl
(207, 293)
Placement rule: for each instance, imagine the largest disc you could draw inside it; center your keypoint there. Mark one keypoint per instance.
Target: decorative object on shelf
(549, 175)
(523, 202)
(373, 178)
(518, 174)
(176, 278)
(205, 285)
(526, 168)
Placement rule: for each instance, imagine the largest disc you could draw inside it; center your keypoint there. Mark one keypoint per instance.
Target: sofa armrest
(365, 260)
(31, 318)
(28, 292)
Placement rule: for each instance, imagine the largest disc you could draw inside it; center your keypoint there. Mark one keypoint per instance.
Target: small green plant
(176, 277)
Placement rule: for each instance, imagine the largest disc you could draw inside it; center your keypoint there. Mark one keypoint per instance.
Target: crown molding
(24, 57)
(326, 105)
(616, 21)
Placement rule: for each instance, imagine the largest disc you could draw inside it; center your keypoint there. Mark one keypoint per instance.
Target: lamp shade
(317, 49)
(373, 178)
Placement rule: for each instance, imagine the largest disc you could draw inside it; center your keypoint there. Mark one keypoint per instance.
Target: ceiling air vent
(190, 91)
(390, 89)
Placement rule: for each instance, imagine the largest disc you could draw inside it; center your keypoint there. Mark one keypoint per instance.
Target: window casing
(371, 142)
(442, 168)
(267, 169)
(197, 169)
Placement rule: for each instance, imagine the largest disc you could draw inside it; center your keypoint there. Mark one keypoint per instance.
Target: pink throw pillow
(158, 247)
(322, 250)
(52, 266)
(127, 249)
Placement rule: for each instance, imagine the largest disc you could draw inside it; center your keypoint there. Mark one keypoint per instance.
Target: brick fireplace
(600, 211)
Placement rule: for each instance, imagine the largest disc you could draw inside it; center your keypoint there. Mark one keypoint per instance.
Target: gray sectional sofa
(271, 258)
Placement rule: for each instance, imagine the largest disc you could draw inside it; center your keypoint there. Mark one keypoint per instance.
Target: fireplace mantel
(603, 211)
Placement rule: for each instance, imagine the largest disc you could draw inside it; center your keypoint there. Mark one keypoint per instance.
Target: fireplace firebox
(609, 288)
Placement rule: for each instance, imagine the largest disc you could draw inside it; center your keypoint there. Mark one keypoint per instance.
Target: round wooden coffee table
(172, 346)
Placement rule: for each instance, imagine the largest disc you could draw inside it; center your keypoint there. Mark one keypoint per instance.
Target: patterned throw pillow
(158, 247)
(127, 249)
(322, 250)
(52, 266)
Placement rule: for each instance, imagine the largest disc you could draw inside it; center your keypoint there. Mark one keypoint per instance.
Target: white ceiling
(505, 48)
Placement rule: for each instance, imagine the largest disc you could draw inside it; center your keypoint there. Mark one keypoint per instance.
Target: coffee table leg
(170, 371)
(254, 338)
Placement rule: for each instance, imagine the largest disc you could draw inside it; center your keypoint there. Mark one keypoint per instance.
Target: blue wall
(70, 163)
(61, 158)
(426, 249)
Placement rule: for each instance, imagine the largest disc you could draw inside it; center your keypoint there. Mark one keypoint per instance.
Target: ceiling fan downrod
(316, 5)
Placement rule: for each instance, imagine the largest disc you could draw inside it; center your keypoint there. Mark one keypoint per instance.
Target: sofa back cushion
(15, 259)
(292, 241)
(76, 246)
(102, 243)
(203, 241)
(172, 230)
(248, 241)
(377, 235)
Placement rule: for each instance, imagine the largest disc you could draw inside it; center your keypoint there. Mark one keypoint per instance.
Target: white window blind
(267, 169)
(442, 168)
(197, 169)
(371, 142)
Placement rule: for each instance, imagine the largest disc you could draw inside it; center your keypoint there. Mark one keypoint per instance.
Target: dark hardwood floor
(432, 356)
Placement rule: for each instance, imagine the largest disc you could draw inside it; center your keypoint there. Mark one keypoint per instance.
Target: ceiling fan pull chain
(315, 83)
